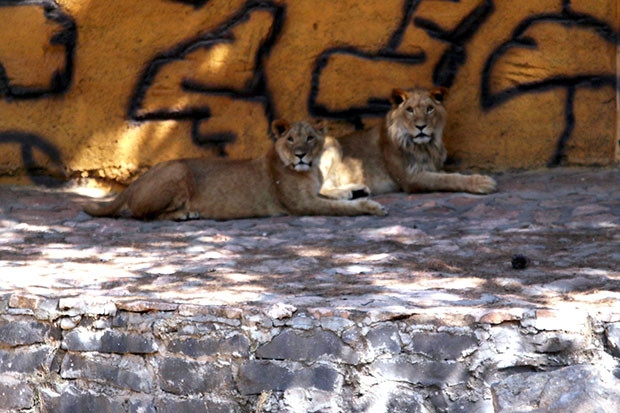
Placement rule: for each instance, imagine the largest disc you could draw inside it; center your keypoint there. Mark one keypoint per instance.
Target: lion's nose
(421, 127)
(300, 155)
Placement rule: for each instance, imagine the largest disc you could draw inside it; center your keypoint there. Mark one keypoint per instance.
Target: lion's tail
(112, 208)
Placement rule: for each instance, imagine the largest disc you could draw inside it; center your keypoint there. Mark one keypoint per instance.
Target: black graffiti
(196, 3)
(519, 39)
(456, 55)
(255, 90)
(409, 7)
(444, 72)
(61, 79)
(29, 142)
(375, 106)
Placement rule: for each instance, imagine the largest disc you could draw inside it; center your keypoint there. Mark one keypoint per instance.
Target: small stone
(47, 310)
(15, 395)
(519, 262)
(25, 301)
(257, 376)
(384, 339)
(613, 338)
(443, 346)
(26, 361)
(196, 348)
(101, 323)
(281, 310)
(498, 317)
(193, 406)
(19, 333)
(75, 399)
(87, 306)
(555, 320)
(69, 323)
(127, 372)
(585, 387)
(141, 306)
(109, 341)
(301, 322)
(307, 346)
(181, 376)
(336, 324)
(425, 373)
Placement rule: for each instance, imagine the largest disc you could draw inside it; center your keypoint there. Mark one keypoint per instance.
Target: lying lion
(284, 181)
(404, 153)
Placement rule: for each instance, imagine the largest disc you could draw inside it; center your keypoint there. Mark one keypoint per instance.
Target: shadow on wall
(50, 78)
(193, 93)
(53, 174)
(192, 75)
(196, 81)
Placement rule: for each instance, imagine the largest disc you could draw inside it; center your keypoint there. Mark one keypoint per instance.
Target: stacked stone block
(148, 357)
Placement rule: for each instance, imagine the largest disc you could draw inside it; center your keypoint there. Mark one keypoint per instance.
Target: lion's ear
(320, 125)
(398, 97)
(279, 127)
(439, 93)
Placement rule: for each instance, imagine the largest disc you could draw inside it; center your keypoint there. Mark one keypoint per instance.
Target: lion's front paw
(347, 192)
(373, 207)
(483, 184)
(181, 215)
(361, 191)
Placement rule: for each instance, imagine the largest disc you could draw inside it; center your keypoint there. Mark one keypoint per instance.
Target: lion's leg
(351, 191)
(334, 175)
(322, 206)
(363, 206)
(453, 182)
(164, 193)
(180, 215)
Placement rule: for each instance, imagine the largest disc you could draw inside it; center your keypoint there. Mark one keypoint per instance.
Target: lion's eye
(310, 138)
(290, 139)
(430, 109)
(410, 109)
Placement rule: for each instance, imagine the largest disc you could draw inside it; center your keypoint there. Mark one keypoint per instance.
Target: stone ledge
(417, 311)
(363, 363)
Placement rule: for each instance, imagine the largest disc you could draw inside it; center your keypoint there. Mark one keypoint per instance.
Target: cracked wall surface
(107, 89)
(68, 354)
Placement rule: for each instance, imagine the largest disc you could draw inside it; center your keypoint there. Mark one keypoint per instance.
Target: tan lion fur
(404, 153)
(286, 180)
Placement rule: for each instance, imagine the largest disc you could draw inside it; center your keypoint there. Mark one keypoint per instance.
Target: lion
(403, 153)
(285, 180)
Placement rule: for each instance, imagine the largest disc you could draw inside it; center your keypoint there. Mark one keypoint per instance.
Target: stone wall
(107, 88)
(70, 355)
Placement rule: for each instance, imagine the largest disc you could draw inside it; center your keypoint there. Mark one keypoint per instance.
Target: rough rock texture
(419, 311)
(106, 90)
(582, 388)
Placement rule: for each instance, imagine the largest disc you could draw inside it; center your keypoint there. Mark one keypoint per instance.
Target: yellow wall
(107, 88)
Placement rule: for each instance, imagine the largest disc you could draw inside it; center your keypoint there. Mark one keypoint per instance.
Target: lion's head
(299, 144)
(417, 118)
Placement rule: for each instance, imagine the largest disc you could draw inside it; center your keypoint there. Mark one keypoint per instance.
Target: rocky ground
(542, 254)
